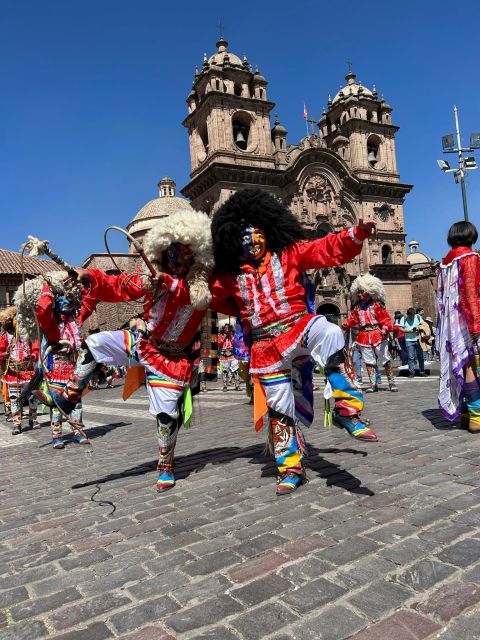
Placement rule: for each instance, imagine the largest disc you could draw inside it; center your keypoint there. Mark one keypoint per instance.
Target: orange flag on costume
(133, 380)
(260, 408)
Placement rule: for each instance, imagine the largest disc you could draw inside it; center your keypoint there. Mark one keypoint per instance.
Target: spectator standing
(410, 325)
(400, 338)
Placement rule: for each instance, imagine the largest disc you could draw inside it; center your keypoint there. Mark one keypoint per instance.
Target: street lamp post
(464, 164)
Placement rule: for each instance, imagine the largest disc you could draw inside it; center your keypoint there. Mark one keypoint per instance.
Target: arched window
(387, 254)
(237, 89)
(203, 133)
(373, 150)
(330, 311)
(241, 130)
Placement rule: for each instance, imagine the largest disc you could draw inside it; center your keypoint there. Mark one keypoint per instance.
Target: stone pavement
(383, 543)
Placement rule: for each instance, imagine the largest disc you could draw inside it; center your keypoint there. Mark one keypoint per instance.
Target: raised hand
(82, 275)
(368, 228)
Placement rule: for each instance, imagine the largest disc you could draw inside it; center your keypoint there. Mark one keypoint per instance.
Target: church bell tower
(229, 128)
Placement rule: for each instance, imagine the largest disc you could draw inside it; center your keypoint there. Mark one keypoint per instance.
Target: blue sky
(93, 95)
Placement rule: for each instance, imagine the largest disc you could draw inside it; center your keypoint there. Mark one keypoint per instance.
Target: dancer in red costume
(162, 342)
(368, 296)
(61, 305)
(457, 340)
(260, 254)
(228, 362)
(18, 360)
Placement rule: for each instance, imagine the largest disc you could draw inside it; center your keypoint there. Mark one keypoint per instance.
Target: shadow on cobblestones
(438, 421)
(335, 475)
(195, 462)
(92, 433)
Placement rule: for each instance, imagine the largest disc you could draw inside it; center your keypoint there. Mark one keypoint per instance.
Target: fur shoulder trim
(191, 228)
(26, 302)
(372, 285)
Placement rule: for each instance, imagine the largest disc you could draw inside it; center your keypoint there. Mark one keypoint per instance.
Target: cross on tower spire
(220, 27)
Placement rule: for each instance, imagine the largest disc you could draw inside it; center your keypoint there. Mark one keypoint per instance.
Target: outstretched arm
(383, 318)
(351, 321)
(46, 316)
(88, 306)
(334, 249)
(222, 290)
(130, 286)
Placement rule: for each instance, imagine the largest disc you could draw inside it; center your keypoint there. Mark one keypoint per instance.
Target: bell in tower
(372, 156)
(240, 140)
(229, 116)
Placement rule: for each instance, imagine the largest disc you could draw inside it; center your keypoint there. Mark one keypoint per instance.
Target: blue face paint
(64, 305)
(253, 243)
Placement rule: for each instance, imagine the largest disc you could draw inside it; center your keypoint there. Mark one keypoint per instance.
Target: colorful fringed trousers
(14, 391)
(323, 342)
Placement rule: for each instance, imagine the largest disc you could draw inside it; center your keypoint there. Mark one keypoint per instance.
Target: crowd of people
(249, 263)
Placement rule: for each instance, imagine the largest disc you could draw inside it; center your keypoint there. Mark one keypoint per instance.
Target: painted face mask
(364, 296)
(64, 305)
(253, 243)
(179, 258)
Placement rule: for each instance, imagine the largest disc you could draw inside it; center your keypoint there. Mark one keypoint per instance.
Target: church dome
(166, 204)
(415, 256)
(352, 88)
(218, 58)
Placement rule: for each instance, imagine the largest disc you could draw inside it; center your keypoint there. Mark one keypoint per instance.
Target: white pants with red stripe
(321, 340)
(108, 347)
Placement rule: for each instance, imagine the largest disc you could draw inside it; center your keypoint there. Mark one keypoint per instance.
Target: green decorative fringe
(327, 415)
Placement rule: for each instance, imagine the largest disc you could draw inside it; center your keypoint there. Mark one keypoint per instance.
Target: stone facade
(343, 172)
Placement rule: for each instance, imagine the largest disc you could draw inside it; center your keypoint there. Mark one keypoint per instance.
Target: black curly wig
(258, 208)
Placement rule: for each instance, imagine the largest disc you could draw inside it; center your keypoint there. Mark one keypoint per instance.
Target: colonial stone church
(345, 171)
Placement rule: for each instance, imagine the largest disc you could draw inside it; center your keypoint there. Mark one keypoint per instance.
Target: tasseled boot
(390, 377)
(288, 453)
(167, 429)
(348, 405)
(372, 386)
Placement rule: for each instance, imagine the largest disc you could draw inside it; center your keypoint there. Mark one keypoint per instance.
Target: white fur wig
(192, 228)
(26, 304)
(372, 285)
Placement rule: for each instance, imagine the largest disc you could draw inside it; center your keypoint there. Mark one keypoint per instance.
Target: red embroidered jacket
(273, 293)
(225, 346)
(48, 321)
(17, 353)
(167, 312)
(169, 315)
(469, 267)
(365, 315)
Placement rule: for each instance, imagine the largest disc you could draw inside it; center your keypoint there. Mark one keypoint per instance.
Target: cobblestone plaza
(383, 543)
